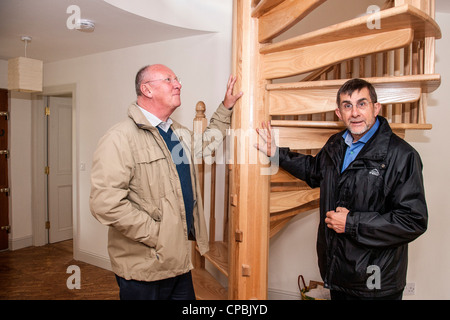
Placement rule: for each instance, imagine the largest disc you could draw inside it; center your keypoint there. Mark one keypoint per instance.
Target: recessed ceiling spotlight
(85, 25)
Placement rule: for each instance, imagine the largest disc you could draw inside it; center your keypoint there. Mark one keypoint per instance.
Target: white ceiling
(46, 22)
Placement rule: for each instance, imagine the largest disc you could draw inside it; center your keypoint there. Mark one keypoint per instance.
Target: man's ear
(338, 113)
(376, 108)
(146, 91)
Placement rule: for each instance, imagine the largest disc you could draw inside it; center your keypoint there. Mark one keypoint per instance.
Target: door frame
(7, 220)
(39, 178)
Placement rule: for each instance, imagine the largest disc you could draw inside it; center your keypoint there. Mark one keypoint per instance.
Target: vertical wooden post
(249, 187)
(427, 61)
(200, 123)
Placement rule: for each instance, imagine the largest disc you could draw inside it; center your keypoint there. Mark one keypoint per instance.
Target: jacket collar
(375, 149)
(135, 113)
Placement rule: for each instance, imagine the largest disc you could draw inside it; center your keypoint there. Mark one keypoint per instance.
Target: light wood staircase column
(249, 188)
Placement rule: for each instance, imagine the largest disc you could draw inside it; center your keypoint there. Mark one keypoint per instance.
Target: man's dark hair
(356, 85)
(139, 77)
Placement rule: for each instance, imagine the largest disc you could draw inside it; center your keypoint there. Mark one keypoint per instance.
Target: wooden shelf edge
(287, 200)
(218, 256)
(278, 221)
(427, 82)
(264, 6)
(206, 287)
(278, 216)
(340, 125)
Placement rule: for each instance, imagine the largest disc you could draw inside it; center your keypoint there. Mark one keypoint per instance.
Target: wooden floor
(40, 273)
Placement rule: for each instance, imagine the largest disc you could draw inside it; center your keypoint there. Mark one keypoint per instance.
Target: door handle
(4, 114)
(4, 190)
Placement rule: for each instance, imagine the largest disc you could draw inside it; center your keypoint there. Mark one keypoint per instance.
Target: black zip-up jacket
(383, 189)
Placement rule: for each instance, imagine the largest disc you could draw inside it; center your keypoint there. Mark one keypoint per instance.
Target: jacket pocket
(152, 253)
(362, 189)
(153, 181)
(153, 172)
(373, 198)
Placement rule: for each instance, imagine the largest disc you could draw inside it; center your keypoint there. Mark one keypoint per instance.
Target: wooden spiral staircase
(392, 48)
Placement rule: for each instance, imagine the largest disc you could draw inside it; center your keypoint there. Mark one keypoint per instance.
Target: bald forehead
(159, 69)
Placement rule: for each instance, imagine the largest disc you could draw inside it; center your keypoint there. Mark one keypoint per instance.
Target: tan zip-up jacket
(136, 191)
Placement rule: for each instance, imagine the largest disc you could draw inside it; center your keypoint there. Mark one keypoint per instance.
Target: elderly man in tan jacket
(145, 188)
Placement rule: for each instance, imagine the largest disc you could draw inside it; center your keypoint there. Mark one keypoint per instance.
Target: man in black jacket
(372, 200)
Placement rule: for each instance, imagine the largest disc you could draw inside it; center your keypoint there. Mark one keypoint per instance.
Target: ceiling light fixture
(25, 74)
(85, 25)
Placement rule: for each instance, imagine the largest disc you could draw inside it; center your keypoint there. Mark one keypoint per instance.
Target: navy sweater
(184, 172)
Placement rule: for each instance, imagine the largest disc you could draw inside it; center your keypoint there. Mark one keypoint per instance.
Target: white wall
(3, 74)
(20, 170)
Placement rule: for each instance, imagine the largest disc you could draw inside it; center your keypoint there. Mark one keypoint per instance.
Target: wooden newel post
(249, 182)
(199, 125)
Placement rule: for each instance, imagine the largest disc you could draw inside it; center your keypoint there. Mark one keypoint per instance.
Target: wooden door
(4, 153)
(60, 169)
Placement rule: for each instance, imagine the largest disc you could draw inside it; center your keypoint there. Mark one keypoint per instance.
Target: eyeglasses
(167, 80)
(362, 105)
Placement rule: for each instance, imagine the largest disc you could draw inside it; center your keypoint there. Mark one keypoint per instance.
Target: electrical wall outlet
(410, 289)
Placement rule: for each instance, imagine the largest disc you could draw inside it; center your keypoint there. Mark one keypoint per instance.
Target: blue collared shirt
(354, 148)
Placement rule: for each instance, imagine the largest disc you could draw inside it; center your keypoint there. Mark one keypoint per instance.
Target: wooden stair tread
(339, 125)
(282, 201)
(279, 220)
(218, 256)
(427, 82)
(264, 6)
(206, 286)
(282, 16)
(282, 176)
(301, 135)
(309, 97)
(402, 17)
(308, 58)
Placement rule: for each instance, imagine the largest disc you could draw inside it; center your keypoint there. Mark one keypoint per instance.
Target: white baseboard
(276, 294)
(20, 243)
(94, 259)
